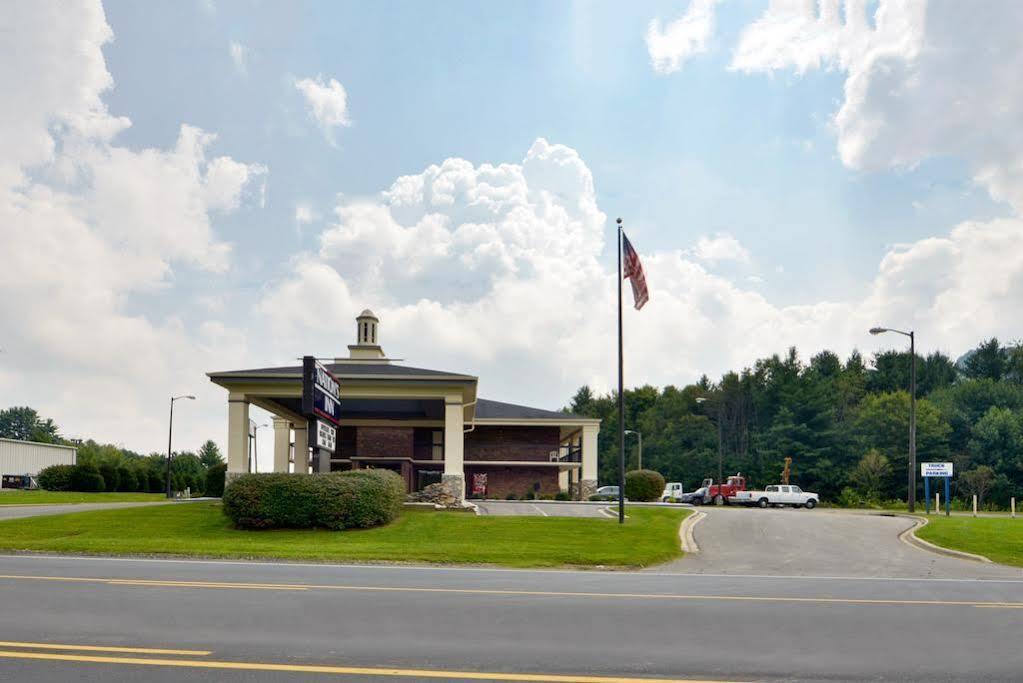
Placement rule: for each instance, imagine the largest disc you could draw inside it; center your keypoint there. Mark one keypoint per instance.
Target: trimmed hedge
(56, 477)
(339, 500)
(87, 478)
(215, 476)
(643, 485)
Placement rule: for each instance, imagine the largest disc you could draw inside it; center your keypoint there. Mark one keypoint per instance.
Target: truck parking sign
(935, 469)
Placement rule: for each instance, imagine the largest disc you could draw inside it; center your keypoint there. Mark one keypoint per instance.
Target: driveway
(19, 511)
(543, 508)
(791, 542)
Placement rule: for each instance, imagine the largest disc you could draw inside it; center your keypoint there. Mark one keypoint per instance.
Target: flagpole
(621, 395)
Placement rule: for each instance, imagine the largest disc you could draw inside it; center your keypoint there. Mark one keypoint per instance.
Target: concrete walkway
(796, 542)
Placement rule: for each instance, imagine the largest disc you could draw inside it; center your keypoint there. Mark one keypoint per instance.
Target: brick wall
(512, 443)
(518, 480)
(383, 442)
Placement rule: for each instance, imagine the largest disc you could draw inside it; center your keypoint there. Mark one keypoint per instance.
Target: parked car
(672, 490)
(779, 495)
(606, 493)
(697, 497)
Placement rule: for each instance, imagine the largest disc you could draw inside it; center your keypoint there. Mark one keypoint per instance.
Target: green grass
(41, 497)
(998, 538)
(649, 536)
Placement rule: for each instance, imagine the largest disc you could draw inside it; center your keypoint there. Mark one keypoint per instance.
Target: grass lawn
(649, 536)
(998, 538)
(18, 497)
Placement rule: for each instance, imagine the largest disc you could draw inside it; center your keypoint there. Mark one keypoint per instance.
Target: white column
(454, 425)
(237, 434)
(301, 448)
(282, 444)
(588, 479)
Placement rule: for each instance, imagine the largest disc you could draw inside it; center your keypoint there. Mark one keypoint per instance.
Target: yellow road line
(517, 593)
(340, 670)
(101, 648)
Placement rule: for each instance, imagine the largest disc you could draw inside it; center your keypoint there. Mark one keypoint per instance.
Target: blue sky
(791, 173)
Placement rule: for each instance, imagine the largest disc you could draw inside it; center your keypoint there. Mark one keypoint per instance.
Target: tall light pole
(911, 498)
(170, 436)
(639, 465)
(721, 457)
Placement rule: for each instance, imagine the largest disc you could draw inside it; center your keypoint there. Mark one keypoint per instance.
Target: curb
(685, 532)
(909, 537)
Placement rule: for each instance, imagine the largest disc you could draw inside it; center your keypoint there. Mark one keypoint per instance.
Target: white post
(1013, 503)
(588, 475)
(282, 444)
(974, 504)
(454, 446)
(301, 448)
(937, 503)
(237, 434)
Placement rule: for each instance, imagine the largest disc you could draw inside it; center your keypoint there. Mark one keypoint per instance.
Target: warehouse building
(426, 425)
(21, 459)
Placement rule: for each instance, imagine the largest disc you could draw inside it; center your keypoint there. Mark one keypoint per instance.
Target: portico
(427, 425)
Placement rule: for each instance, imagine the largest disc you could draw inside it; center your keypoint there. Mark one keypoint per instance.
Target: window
(771, 489)
(438, 444)
(796, 489)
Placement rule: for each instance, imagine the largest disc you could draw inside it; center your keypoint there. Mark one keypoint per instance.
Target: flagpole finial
(619, 221)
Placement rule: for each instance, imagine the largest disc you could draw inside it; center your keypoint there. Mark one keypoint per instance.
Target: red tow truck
(720, 495)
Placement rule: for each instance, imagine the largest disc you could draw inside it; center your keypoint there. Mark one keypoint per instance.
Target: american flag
(634, 271)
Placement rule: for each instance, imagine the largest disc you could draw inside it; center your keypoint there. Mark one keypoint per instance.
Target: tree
(987, 361)
(209, 455)
(977, 482)
(997, 440)
(581, 402)
(871, 474)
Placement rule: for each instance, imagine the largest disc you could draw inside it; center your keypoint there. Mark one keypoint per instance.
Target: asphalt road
(797, 542)
(408, 623)
(18, 511)
(533, 508)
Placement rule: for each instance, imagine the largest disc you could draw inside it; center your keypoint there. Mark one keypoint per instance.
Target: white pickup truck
(672, 490)
(779, 495)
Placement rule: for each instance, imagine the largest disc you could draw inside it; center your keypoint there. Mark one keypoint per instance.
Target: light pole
(911, 498)
(639, 465)
(721, 458)
(170, 436)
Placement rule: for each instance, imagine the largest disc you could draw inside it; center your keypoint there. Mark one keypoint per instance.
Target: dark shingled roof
(350, 370)
(509, 411)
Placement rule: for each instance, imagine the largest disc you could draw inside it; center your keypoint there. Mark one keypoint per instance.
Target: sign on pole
(321, 391)
(936, 469)
(326, 436)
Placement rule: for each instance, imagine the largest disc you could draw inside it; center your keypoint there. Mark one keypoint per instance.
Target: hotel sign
(326, 436)
(321, 391)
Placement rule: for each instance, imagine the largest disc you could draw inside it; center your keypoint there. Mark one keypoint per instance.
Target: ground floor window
(426, 477)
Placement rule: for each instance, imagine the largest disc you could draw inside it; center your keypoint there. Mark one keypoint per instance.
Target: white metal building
(29, 457)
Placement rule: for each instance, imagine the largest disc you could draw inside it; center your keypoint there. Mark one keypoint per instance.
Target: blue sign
(321, 391)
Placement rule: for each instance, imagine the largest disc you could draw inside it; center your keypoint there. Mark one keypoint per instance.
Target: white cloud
(672, 45)
(497, 270)
(721, 247)
(328, 103)
(239, 56)
(924, 80)
(88, 227)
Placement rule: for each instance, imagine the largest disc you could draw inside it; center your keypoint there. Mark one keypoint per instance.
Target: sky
(213, 185)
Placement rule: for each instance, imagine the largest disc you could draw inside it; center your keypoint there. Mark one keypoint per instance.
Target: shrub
(340, 500)
(126, 479)
(111, 478)
(87, 478)
(56, 477)
(643, 485)
(562, 495)
(215, 476)
(511, 496)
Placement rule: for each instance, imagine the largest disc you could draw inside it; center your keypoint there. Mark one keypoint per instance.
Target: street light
(911, 498)
(640, 437)
(170, 435)
(721, 469)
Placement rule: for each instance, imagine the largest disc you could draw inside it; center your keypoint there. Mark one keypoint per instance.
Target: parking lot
(545, 508)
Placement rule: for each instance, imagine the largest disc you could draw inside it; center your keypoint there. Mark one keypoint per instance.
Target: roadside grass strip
(818, 600)
(649, 537)
(999, 539)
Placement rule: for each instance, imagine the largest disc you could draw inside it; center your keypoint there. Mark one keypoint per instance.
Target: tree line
(845, 424)
(119, 469)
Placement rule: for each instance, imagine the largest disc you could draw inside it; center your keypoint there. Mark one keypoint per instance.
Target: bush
(56, 477)
(643, 485)
(562, 495)
(87, 478)
(511, 496)
(215, 476)
(340, 500)
(126, 479)
(111, 479)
